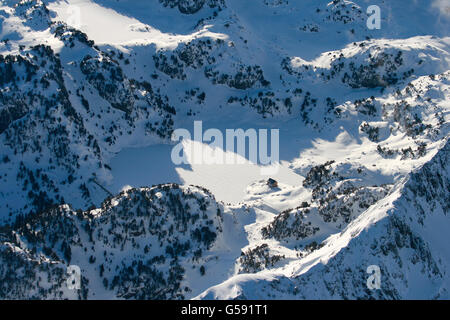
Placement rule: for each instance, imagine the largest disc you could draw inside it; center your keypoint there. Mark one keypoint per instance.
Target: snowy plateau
(91, 92)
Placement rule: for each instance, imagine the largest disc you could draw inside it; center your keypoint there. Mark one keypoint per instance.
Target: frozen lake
(142, 167)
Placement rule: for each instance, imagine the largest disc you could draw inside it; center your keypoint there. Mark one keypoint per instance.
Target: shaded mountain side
(136, 246)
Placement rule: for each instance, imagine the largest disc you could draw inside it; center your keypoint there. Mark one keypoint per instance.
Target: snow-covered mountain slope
(404, 234)
(92, 90)
(137, 245)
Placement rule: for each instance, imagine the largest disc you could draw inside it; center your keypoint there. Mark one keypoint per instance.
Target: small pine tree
(202, 270)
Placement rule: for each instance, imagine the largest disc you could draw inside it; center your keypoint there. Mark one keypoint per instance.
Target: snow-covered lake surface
(234, 183)
(139, 167)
